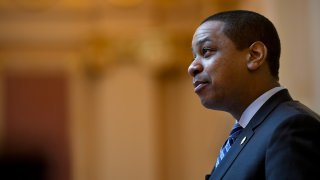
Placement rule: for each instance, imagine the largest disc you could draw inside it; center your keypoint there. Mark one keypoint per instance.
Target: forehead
(207, 31)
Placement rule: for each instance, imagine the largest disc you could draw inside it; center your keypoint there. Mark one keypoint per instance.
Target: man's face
(218, 68)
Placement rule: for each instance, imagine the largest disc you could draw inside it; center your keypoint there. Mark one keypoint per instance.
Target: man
(235, 69)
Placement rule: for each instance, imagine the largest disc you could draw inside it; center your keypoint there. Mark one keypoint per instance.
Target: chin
(211, 104)
(207, 104)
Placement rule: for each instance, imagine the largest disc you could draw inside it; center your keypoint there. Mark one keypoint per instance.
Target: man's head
(231, 60)
(246, 27)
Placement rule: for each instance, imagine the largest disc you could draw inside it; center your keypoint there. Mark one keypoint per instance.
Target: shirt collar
(256, 105)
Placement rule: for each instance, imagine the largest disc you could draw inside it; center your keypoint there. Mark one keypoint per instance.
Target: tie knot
(236, 130)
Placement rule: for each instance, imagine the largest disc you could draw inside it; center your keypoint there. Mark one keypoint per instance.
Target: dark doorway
(36, 142)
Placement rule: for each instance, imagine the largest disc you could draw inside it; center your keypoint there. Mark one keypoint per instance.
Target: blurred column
(124, 137)
(294, 23)
(314, 13)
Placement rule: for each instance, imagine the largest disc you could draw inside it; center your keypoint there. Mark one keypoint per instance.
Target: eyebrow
(201, 41)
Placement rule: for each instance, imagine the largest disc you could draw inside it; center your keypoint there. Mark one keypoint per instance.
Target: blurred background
(99, 90)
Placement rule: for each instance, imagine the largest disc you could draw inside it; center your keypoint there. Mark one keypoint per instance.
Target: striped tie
(236, 130)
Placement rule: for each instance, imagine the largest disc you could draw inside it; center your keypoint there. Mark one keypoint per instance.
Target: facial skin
(223, 76)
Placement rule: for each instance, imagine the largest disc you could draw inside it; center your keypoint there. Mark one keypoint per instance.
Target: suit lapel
(248, 132)
(232, 154)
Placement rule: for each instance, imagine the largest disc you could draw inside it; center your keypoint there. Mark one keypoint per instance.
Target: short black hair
(246, 27)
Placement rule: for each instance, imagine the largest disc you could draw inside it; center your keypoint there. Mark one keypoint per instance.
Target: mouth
(199, 85)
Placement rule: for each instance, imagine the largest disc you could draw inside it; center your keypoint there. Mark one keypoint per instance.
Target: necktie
(236, 130)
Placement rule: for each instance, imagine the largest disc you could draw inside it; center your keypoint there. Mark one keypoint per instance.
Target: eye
(206, 51)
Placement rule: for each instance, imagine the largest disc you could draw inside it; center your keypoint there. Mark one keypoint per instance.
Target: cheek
(223, 77)
(218, 70)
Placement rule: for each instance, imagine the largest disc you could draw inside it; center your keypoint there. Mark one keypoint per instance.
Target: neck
(251, 94)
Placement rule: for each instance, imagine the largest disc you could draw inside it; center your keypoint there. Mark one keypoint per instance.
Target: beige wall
(298, 26)
(133, 113)
(314, 30)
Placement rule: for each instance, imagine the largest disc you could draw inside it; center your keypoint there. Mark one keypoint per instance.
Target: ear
(257, 55)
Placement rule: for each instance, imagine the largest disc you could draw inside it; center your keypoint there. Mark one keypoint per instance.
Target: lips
(199, 85)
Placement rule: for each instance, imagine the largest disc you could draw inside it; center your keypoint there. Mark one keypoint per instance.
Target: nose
(195, 68)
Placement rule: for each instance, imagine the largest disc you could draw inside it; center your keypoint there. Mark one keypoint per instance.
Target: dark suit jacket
(282, 141)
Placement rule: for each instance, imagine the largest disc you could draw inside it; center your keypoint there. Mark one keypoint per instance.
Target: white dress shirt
(256, 105)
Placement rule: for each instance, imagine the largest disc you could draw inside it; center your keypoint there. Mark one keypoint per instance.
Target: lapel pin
(243, 140)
